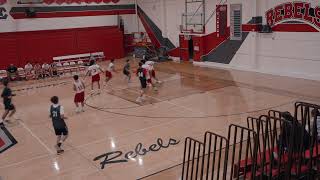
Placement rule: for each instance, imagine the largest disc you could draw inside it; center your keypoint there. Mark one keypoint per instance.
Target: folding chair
(66, 68)
(29, 74)
(3, 74)
(60, 69)
(21, 73)
(81, 66)
(73, 67)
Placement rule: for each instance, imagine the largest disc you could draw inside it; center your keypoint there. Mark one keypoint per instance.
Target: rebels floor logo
(295, 10)
(3, 14)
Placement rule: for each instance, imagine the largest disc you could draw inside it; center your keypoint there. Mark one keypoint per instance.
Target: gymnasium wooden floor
(190, 101)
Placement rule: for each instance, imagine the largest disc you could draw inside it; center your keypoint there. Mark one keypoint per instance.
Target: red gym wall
(41, 46)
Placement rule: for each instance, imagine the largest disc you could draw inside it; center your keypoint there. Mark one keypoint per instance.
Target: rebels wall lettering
(294, 10)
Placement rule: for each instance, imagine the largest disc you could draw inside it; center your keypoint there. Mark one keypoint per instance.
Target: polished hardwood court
(119, 139)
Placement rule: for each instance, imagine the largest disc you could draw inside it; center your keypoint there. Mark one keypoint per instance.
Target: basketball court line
(91, 142)
(104, 139)
(37, 138)
(193, 117)
(242, 84)
(24, 161)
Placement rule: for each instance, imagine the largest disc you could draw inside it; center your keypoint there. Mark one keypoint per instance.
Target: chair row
(61, 69)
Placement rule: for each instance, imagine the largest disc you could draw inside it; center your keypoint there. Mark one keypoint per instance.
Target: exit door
(184, 47)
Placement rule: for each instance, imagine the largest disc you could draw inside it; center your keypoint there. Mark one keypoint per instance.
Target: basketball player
(149, 80)
(78, 87)
(141, 73)
(59, 125)
(7, 102)
(126, 70)
(152, 71)
(109, 71)
(94, 70)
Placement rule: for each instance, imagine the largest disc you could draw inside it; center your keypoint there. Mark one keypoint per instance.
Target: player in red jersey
(78, 87)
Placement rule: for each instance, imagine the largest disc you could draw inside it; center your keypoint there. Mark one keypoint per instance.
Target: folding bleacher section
(76, 63)
(270, 147)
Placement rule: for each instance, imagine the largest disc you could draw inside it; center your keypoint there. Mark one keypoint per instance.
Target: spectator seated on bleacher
(12, 72)
(28, 68)
(37, 70)
(46, 70)
(54, 69)
(298, 131)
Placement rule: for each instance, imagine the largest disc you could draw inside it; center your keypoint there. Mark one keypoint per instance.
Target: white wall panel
(290, 54)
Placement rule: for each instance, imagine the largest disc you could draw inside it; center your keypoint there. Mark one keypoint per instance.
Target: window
(236, 22)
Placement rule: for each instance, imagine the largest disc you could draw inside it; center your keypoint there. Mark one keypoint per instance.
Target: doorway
(190, 49)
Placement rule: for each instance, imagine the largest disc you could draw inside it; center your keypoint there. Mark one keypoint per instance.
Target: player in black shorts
(60, 127)
(141, 73)
(7, 102)
(126, 70)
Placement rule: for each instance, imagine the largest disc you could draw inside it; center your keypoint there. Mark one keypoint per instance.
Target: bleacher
(66, 65)
(269, 147)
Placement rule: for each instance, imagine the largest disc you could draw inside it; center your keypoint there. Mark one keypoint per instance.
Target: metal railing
(273, 146)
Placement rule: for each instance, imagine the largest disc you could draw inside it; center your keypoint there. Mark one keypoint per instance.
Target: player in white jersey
(94, 70)
(78, 87)
(148, 76)
(152, 71)
(109, 70)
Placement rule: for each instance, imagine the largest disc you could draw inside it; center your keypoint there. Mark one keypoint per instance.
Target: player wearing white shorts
(109, 71)
(78, 87)
(94, 70)
(148, 76)
(152, 71)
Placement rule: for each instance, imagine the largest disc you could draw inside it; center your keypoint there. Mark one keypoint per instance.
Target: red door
(184, 48)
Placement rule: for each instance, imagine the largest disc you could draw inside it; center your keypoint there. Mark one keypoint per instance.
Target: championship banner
(6, 139)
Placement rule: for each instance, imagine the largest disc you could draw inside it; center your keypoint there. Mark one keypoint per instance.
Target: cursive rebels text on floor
(116, 156)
